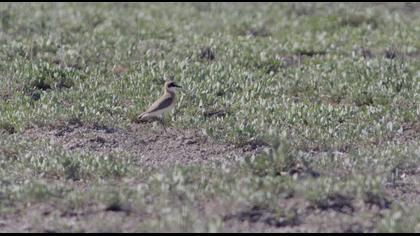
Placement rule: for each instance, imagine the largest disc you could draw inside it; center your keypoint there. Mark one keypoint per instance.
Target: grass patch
(304, 116)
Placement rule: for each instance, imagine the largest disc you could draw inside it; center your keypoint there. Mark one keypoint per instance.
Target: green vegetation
(328, 93)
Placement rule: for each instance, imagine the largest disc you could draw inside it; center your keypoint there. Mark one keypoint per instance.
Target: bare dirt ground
(153, 145)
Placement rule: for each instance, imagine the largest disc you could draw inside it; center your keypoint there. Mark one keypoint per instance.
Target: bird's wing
(161, 103)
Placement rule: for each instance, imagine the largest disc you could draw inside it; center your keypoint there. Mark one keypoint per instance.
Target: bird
(162, 105)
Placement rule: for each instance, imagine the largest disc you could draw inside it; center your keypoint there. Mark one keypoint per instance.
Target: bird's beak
(175, 85)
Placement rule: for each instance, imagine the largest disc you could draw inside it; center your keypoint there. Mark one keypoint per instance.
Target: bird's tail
(144, 117)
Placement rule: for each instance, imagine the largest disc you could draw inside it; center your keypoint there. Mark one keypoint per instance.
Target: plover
(164, 104)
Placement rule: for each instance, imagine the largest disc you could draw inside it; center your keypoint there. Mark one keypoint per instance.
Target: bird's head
(171, 86)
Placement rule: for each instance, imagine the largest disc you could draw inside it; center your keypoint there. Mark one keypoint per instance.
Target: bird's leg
(162, 121)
